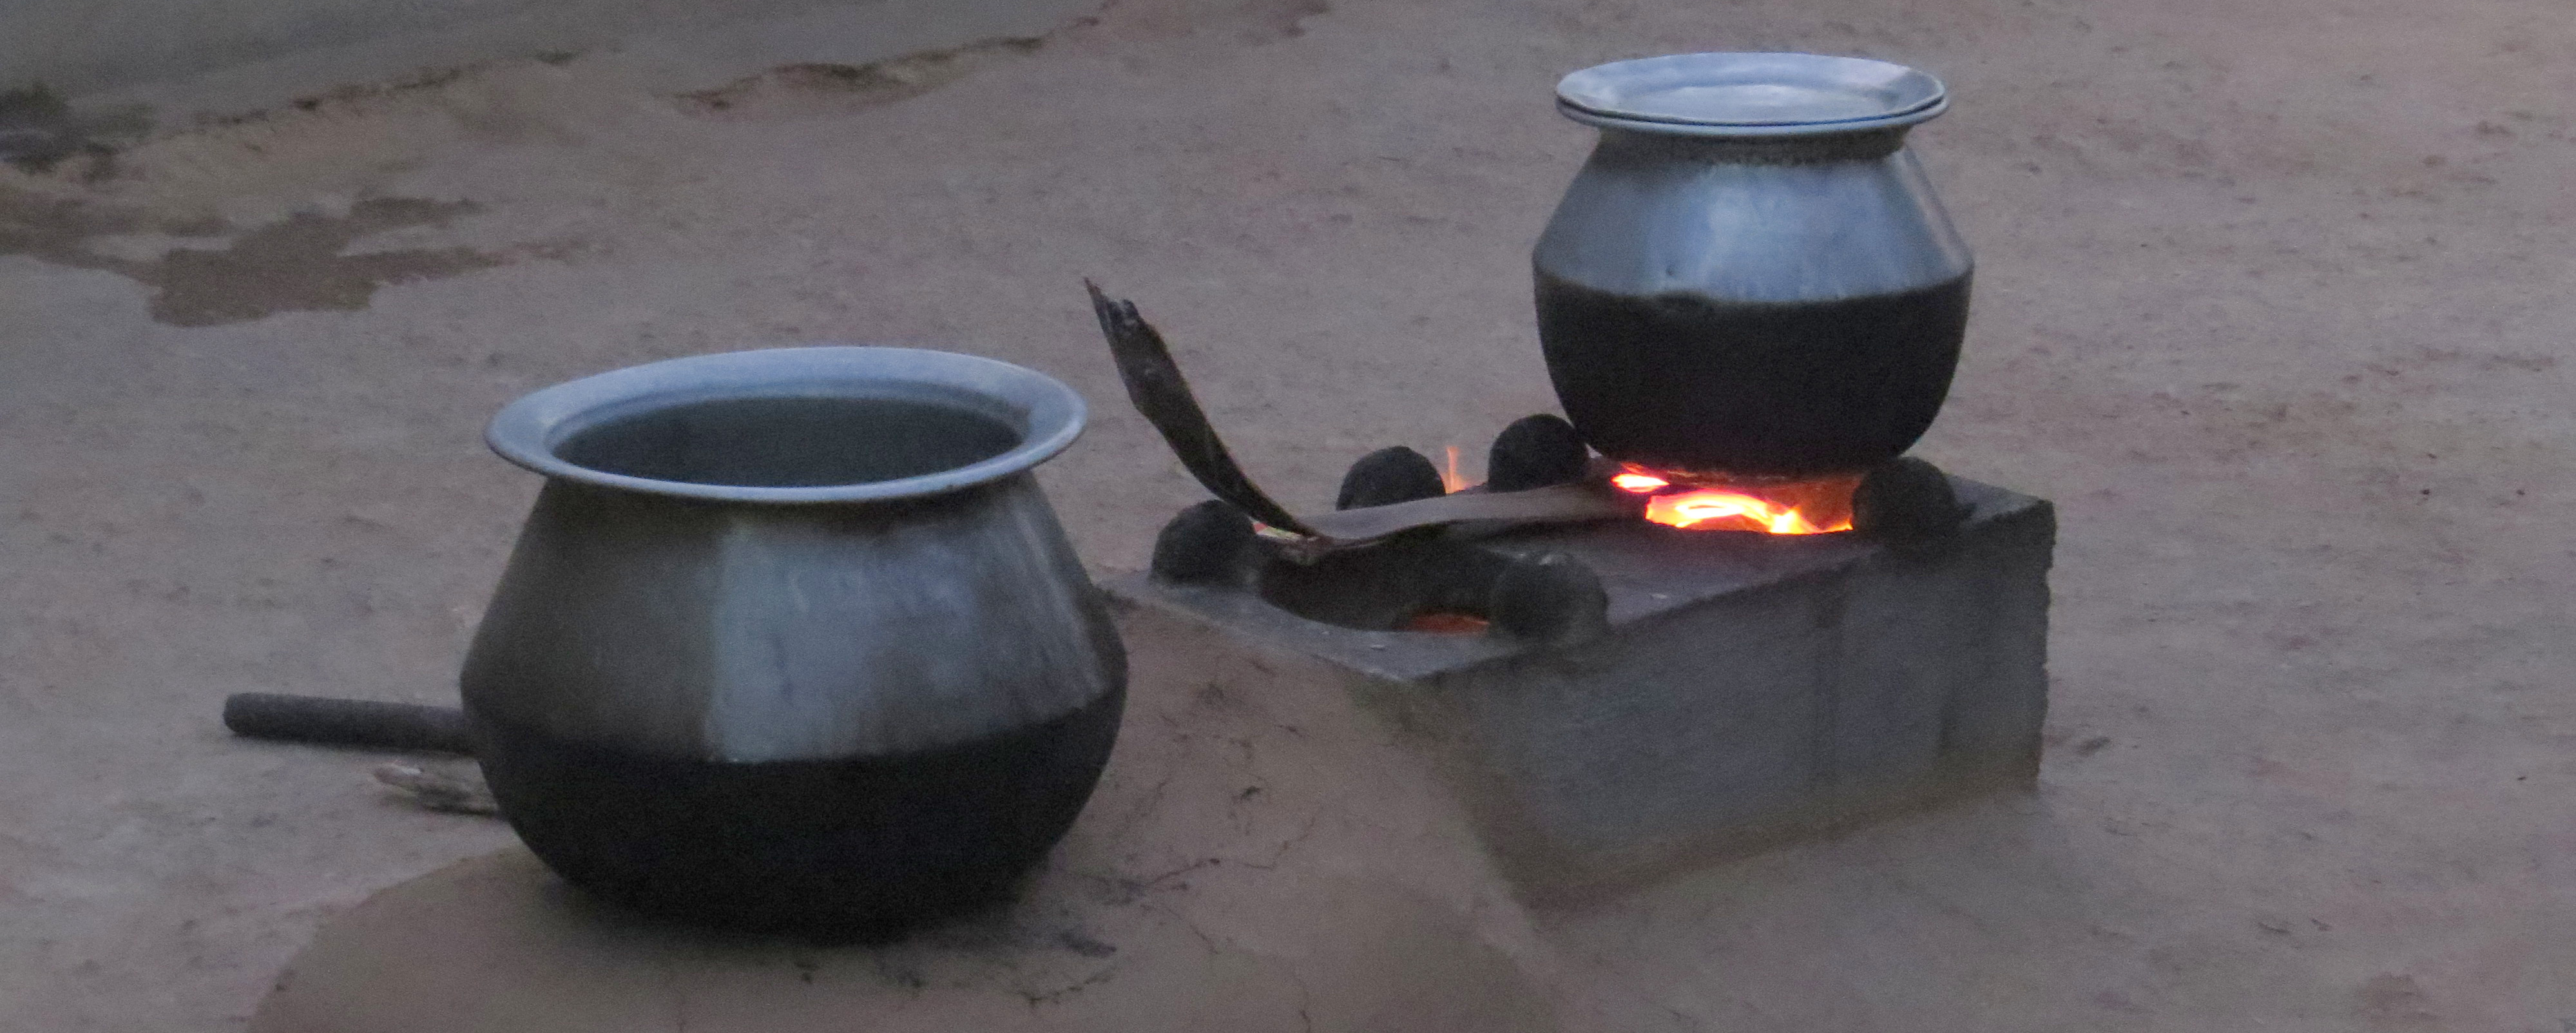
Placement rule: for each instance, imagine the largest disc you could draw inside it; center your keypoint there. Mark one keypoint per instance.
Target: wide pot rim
(1688, 95)
(1046, 414)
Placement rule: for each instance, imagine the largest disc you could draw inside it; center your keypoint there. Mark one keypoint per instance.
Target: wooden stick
(1554, 504)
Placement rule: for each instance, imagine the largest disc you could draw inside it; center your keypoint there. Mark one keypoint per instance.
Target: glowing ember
(1445, 622)
(1802, 507)
(1720, 509)
(1450, 479)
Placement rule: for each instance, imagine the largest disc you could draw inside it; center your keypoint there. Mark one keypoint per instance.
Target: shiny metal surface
(1046, 415)
(1743, 94)
(1787, 220)
(1769, 299)
(750, 623)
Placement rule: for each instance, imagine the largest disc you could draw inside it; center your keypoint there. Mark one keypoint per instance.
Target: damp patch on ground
(40, 131)
(795, 89)
(296, 264)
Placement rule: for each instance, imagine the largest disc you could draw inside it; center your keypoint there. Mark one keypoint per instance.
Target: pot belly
(852, 848)
(1773, 389)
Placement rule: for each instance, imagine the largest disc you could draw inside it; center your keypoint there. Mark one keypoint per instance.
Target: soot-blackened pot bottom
(1680, 382)
(845, 850)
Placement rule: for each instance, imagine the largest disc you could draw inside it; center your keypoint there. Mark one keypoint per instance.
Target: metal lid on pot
(1751, 94)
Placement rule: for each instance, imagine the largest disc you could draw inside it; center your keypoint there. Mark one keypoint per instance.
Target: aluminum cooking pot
(792, 640)
(1751, 277)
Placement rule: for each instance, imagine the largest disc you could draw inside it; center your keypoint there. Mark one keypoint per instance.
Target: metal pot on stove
(1751, 277)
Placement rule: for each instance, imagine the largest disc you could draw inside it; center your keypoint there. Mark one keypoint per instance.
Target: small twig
(439, 792)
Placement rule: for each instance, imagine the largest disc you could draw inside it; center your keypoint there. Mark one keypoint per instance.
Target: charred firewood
(439, 790)
(1534, 452)
(1207, 544)
(1550, 598)
(1388, 476)
(1908, 505)
(1162, 396)
(1555, 504)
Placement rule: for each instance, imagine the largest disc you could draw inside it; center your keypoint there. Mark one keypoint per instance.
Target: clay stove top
(1647, 571)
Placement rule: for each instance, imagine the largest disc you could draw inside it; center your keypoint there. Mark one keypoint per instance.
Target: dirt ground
(2272, 301)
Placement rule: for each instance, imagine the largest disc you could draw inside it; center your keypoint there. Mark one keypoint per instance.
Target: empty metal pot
(792, 640)
(1751, 276)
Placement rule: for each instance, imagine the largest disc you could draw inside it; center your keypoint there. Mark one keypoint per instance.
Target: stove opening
(1432, 587)
(1702, 503)
(1447, 622)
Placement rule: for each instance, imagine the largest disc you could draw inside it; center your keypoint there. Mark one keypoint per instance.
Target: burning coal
(1796, 507)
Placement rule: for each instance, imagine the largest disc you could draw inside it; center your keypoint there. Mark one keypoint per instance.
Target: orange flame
(1450, 479)
(1690, 509)
(1802, 507)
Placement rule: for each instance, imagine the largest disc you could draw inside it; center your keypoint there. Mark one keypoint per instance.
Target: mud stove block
(1749, 690)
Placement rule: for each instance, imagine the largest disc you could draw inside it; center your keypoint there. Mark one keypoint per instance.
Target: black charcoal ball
(1534, 452)
(1551, 598)
(1908, 504)
(1206, 544)
(1388, 476)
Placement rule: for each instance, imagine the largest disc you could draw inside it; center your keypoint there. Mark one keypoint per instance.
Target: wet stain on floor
(1275, 20)
(808, 89)
(39, 131)
(296, 264)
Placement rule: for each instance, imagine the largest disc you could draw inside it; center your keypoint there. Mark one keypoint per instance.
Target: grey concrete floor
(2272, 301)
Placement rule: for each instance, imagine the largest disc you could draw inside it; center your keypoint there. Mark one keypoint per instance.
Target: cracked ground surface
(2271, 301)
